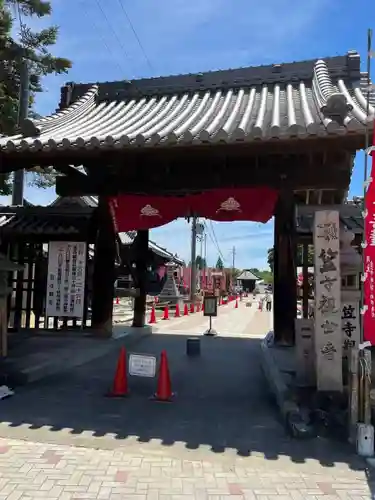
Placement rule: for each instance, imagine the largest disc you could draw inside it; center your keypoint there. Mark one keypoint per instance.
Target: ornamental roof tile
(304, 99)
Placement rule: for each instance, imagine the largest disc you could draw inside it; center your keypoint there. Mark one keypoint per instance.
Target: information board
(142, 365)
(66, 279)
(210, 305)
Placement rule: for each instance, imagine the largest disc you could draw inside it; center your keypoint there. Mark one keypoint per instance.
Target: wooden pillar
(285, 288)
(104, 272)
(305, 274)
(141, 252)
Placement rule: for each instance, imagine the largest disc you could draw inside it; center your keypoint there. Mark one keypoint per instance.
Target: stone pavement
(220, 438)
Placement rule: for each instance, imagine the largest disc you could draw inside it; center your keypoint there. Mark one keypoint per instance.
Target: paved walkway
(220, 438)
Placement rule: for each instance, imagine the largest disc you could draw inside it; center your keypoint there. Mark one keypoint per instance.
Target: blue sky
(182, 36)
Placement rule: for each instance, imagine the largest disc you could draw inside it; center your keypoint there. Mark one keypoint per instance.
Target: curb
(290, 412)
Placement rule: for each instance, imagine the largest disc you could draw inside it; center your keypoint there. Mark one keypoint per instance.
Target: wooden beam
(285, 287)
(305, 284)
(104, 273)
(15, 160)
(202, 177)
(142, 255)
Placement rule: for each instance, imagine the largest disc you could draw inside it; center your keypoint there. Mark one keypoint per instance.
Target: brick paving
(34, 470)
(220, 438)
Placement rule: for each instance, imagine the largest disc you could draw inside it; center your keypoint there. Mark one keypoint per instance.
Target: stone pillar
(285, 287)
(141, 252)
(104, 272)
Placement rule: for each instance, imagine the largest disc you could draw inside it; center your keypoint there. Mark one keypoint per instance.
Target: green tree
(270, 256)
(255, 271)
(34, 46)
(219, 263)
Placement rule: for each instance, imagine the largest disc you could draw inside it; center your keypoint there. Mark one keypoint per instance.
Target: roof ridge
(245, 76)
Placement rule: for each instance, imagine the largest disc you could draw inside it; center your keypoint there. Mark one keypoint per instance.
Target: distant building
(247, 280)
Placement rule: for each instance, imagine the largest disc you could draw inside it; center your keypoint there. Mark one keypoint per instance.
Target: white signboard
(66, 279)
(350, 325)
(142, 365)
(328, 334)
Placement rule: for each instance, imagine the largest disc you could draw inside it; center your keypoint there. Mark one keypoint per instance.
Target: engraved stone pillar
(328, 337)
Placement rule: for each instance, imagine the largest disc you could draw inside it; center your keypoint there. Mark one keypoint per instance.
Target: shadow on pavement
(222, 403)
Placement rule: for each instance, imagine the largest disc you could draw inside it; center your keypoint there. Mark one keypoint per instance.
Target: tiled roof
(306, 99)
(350, 217)
(247, 275)
(35, 223)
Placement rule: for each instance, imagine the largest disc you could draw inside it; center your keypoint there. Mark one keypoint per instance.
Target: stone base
(279, 385)
(211, 332)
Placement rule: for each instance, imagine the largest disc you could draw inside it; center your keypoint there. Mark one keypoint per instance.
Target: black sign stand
(210, 310)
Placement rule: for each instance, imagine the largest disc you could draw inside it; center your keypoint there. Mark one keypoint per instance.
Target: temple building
(239, 144)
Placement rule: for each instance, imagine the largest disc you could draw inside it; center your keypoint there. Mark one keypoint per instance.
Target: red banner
(145, 212)
(369, 258)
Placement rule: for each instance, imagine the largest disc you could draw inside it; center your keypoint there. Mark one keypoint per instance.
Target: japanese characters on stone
(328, 334)
(350, 324)
(66, 279)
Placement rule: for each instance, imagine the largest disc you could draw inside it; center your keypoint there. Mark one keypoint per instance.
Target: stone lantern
(6, 266)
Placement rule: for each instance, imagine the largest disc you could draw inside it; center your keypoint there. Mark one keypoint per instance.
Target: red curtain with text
(133, 212)
(369, 258)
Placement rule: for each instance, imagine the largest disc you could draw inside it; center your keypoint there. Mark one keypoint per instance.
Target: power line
(112, 29)
(214, 241)
(217, 243)
(135, 34)
(107, 46)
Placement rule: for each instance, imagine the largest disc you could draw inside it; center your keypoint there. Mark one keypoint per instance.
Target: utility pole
(23, 110)
(193, 274)
(233, 264)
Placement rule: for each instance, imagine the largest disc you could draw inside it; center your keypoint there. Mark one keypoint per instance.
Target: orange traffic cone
(236, 305)
(177, 311)
(164, 387)
(117, 301)
(166, 313)
(152, 316)
(221, 301)
(186, 312)
(202, 307)
(198, 307)
(120, 382)
(192, 307)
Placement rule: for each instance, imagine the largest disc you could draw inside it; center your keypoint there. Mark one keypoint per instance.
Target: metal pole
(233, 263)
(205, 250)
(193, 274)
(23, 109)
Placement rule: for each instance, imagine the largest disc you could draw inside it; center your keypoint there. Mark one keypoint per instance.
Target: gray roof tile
(247, 275)
(315, 98)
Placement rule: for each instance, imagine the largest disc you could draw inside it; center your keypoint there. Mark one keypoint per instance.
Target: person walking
(268, 302)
